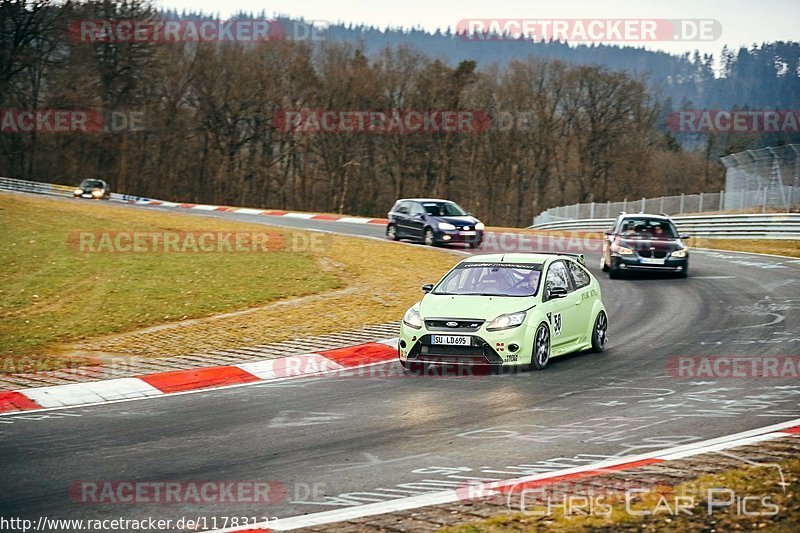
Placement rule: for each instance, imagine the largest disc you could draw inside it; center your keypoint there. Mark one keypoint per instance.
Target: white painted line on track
(451, 496)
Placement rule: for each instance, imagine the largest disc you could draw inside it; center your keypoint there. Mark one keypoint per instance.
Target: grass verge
(54, 297)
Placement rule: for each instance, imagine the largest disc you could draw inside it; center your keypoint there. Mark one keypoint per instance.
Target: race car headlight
(412, 319)
(680, 253)
(621, 250)
(479, 226)
(78, 191)
(97, 193)
(446, 226)
(511, 320)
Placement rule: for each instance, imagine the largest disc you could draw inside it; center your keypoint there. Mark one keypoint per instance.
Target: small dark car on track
(645, 242)
(433, 222)
(93, 189)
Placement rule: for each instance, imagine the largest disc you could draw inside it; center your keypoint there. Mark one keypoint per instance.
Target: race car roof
(512, 258)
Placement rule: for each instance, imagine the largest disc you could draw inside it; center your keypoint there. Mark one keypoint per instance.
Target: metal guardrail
(52, 189)
(762, 226)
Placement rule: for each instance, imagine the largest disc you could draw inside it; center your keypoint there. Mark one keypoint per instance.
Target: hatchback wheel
(541, 348)
(391, 232)
(429, 239)
(600, 333)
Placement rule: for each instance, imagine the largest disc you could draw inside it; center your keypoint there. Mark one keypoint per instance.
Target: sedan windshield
(92, 184)
(492, 279)
(648, 228)
(444, 209)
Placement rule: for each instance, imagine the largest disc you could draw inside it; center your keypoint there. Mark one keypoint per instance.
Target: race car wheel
(614, 272)
(600, 333)
(429, 239)
(684, 273)
(391, 232)
(541, 348)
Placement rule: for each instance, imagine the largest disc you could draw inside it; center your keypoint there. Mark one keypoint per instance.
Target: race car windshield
(491, 279)
(648, 228)
(92, 184)
(444, 209)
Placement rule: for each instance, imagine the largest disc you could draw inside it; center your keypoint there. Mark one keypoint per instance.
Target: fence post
(591, 210)
(701, 202)
(681, 204)
(764, 201)
(625, 205)
(608, 208)
(721, 199)
(643, 205)
(661, 205)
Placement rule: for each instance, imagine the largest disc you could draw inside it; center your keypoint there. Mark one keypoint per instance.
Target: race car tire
(415, 368)
(541, 348)
(614, 272)
(684, 273)
(603, 264)
(391, 232)
(600, 333)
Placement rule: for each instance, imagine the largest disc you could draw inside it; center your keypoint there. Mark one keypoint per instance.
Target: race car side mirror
(685, 236)
(427, 288)
(556, 292)
(609, 232)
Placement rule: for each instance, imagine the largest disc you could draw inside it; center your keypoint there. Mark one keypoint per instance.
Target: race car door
(562, 306)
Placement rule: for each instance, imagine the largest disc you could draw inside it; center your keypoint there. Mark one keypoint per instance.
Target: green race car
(506, 310)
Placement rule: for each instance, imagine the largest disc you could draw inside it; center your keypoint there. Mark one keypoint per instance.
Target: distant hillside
(762, 77)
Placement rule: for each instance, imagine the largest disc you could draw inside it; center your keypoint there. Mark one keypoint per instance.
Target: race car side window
(558, 276)
(579, 275)
(416, 209)
(402, 208)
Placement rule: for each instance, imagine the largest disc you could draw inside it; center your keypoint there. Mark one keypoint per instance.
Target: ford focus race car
(506, 310)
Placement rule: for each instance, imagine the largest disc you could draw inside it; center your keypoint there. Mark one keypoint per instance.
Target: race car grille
(658, 254)
(479, 352)
(453, 324)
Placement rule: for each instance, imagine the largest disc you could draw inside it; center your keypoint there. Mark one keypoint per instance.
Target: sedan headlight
(412, 318)
(511, 320)
(446, 226)
(680, 253)
(78, 192)
(97, 194)
(479, 226)
(621, 250)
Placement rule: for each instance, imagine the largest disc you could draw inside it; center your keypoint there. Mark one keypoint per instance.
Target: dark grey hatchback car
(433, 222)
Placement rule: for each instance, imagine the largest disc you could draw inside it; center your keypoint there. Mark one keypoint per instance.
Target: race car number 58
(453, 340)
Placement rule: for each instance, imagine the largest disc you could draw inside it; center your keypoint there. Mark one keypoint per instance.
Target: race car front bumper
(499, 348)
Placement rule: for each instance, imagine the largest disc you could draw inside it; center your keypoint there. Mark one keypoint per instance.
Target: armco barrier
(51, 189)
(766, 226)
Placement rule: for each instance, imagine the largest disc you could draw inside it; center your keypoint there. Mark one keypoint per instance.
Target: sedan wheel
(391, 233)
(541, 348)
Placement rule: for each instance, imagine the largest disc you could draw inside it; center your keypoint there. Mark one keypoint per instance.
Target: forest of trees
(209, 134)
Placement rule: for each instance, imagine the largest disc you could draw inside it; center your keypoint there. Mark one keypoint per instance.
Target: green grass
(51, 293)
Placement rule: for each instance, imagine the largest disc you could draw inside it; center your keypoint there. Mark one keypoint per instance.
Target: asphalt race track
(340, 441)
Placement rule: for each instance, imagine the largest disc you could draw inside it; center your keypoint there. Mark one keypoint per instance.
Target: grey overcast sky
(744, 22)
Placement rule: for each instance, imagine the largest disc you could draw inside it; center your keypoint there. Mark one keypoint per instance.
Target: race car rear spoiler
(577, 257)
